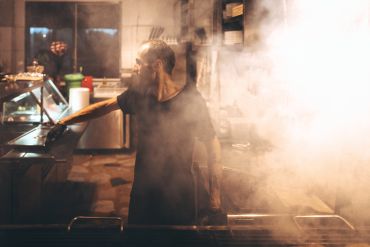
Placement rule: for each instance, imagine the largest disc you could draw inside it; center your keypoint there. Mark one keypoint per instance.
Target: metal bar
(75, 219)
(12, 197)
(331, 216)
(52, 85)
(75, 40)
(42, 105)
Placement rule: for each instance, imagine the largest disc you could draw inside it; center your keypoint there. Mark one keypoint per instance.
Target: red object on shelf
(88, 82)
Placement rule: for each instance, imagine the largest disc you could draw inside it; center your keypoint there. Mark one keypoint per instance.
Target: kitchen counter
(257, 230)
(9, 132)
(27, 175)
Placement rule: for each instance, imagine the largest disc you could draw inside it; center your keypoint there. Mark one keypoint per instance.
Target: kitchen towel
(79, 98)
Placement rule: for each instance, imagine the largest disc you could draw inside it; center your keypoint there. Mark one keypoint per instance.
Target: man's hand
(54, 133)
(215, 173)
(213, 148)
(215, 176)
(216, 217)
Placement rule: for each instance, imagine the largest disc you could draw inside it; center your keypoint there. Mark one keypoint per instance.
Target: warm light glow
(322, 57)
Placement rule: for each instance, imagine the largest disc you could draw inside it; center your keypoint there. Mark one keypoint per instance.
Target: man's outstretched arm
(92, 111)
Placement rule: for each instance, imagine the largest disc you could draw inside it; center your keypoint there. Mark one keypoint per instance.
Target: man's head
(157, 49)
(155, 59)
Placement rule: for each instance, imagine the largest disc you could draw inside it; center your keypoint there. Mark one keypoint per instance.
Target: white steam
(310, 98)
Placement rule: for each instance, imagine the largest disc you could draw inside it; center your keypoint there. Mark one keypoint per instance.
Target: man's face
(145, 73)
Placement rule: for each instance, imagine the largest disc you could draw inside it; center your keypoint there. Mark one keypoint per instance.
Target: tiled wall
(6, 30)
(19, 35)
(138, 18)
(12, 44)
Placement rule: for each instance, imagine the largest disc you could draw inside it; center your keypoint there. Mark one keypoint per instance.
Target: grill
(256, 230)
(326, 229)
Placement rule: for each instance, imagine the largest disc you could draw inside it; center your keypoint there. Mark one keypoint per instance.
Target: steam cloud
(305, 88)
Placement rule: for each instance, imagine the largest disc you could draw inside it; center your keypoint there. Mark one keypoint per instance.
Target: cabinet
(232, 22)
(232, 18)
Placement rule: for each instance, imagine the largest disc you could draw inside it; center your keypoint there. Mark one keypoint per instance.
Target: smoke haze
(305, 88)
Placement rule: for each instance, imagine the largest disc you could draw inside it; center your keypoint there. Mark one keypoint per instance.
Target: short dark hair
(158, 49)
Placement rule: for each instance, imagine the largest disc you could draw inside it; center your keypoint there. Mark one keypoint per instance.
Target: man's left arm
(215, 172)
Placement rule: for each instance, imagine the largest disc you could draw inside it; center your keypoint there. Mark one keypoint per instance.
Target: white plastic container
(79, 97)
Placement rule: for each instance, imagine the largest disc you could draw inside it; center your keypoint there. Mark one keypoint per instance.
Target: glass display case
(39, 104)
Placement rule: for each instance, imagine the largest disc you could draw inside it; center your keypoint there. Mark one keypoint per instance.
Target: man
(53, 60)
(169, 118)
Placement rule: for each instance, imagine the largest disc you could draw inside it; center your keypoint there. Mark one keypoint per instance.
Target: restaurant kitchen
(286, 83)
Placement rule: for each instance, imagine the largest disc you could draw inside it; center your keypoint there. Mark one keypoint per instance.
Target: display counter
(28, 163)
(252, 230)
(27, 176)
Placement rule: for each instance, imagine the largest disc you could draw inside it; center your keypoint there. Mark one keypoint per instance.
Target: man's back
(163, 190)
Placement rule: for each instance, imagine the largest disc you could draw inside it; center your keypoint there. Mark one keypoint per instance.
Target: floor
(97, 185)
(100, 185)
(112, 174)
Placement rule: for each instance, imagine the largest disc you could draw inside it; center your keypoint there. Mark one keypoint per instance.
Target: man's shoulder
(127, 100)
(190, 98)
(129, 92)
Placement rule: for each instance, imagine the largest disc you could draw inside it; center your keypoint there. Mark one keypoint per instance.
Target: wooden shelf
(232, 27)
(224, 2)
(229, 23)
(238, 18)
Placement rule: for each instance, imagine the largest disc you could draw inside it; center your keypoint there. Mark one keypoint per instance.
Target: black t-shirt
(163, 188)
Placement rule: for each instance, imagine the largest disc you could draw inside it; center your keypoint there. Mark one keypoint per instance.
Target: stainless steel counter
(281, 231)
(26, 174)
(11, 131)
(109, 132)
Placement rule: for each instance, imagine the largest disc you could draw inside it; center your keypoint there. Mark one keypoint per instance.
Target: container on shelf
(73, 80)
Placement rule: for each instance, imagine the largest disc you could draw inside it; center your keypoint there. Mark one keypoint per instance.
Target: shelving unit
(231, 21)
(184, 6)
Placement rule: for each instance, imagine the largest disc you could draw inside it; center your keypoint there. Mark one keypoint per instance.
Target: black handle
(55, 133)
